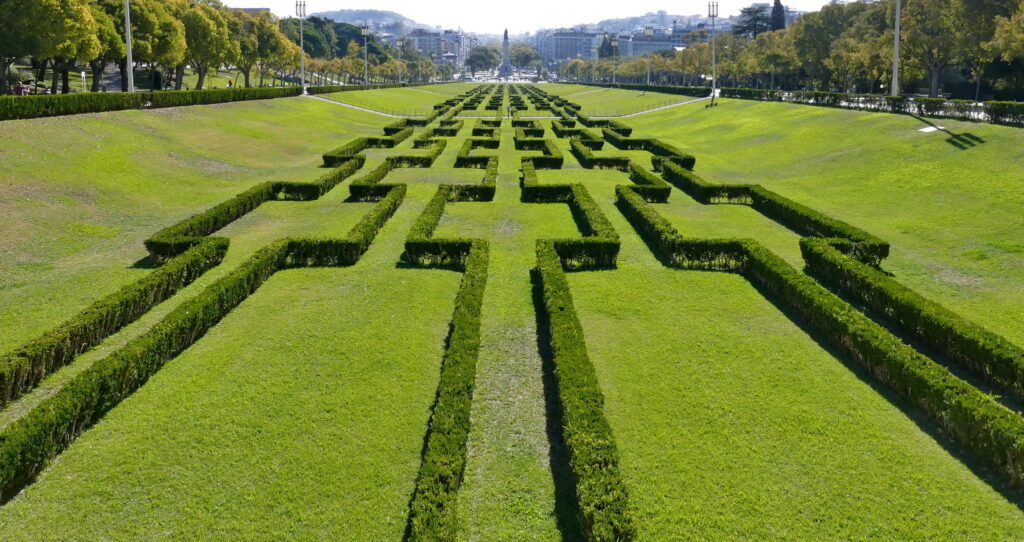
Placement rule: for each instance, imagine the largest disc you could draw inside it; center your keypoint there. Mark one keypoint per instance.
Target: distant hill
(387, 19)
(625, 24)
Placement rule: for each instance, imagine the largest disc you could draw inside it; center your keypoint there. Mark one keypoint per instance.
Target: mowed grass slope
(404, 100)
(610, 101)
(734, 424)
(81, 193)
(953, 215)
(300, 416)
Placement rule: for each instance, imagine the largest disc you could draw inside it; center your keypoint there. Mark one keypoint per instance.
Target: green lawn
(407, 100)
(302, 414)
(78, 203)
(287, 421)
(953, 216)
(612, 102)
(734, 424)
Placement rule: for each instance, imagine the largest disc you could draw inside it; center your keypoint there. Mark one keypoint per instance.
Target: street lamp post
(615, 63)
(713, 13)
(366, 55)
(896, 55)
(579, 56)
(128, 46)
(648, 70)
(300, 12)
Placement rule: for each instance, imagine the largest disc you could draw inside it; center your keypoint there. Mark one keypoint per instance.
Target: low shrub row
(551, 156)
(465, 159)
(663, 152)
(1011, 113)
(648, 185)
(973, 347)
(798, 217)
(368, 186)
(697, 92)
(586, 157)
(179, 237)
(352, 148)
(419, 160)
(29, 443)
(23, 368)
(994, 434)
(601, 493)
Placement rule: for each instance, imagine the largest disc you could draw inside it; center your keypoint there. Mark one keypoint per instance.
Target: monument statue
(505, 70)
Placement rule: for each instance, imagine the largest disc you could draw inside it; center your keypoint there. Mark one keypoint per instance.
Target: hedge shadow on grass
(567, 511)
(913, 413)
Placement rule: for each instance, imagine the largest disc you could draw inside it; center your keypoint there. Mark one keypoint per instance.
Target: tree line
(966, 48)
(62, 36)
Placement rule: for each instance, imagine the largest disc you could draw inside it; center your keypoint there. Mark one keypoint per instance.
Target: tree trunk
(41, 75)
(5, 64)
(933, 92)
(98, 67)
(179, 76)
(201, 71)
(245, 73)
(65, 82)
(977, 87)
(56, 77)
(122, 65)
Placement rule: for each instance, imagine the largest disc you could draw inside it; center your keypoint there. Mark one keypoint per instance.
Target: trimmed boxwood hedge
(23, 369)
(787, 212)
(993, 433)
(28, 444)
(697, 92)
(179, 237)
(586, 158)
(971, 346)
(601, 493)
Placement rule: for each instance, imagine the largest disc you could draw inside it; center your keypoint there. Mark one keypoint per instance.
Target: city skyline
(525, 16)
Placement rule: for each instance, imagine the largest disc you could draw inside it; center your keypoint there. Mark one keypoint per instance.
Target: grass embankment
(949, 202)
(402, 101)
(79, 202)
(610, 101)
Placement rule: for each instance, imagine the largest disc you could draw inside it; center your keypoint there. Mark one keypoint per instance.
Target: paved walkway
(645, 111)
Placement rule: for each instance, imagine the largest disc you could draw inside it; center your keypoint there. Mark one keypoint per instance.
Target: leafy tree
(753, 21)
(20, 36)
(1009, 36)
(929, 28)
(482, 58)
(209, 40)
(605, 50)
(67, 32)
(778, 16)
(258, 37)
(522, 55)
(112, 45)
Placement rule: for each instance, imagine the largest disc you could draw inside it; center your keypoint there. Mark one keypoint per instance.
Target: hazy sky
(492, 16)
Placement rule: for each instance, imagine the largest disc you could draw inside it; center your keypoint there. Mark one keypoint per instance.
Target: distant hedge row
(49, 105)
(697, 92)
(1011, 113)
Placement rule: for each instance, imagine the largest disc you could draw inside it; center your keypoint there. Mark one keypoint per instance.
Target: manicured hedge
(179, 237)
(648, 185)
(1011, 113)
(433, 505)
(28, 444)
(604, 511)
(23, 369)
(791, 214)
(973, 347)
(697, 92)
(419, 160)
(586, 158)
(993, 433)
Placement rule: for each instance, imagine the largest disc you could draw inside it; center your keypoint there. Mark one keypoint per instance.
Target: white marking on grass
(931, 129)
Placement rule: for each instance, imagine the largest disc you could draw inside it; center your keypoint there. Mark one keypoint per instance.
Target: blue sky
(489, 16)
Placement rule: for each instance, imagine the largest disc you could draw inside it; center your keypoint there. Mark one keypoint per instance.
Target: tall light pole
(300, 12)
(713, 13)
(128, 46)
(896, 55)
(615, 63)
(365, 30)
